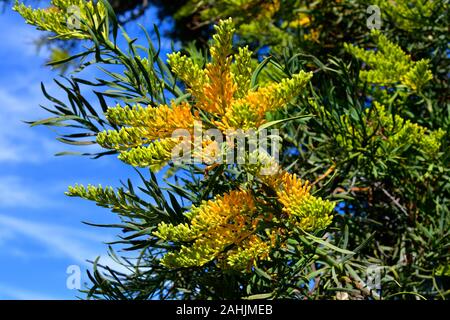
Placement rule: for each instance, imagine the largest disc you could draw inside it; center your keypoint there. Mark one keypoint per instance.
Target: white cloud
(20, 95)
(6, 235)
(11, 292)
(79, 246)
(15, 192)
(18, 142)
(72, 243)
(22, 40)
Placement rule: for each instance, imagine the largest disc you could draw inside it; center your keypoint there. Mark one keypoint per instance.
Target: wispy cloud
(6, 235)
(78, 246)
(30, 181)
(72, 243)
(19, 143)
(22, 41)
(17, 193)
(14, 293)
(20, 94)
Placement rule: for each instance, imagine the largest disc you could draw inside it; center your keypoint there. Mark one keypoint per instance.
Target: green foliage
(394, 136)
(411, 15)
(370, 134)
(63, 16)
(390, 65)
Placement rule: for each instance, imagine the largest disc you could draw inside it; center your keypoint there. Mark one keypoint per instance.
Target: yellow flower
(302, 209)
(156, 155)
(393, 135)
(227, 228)
(215, 225)
(302, 21)
(64, 17)
(391, 65)
(151, 123)
(221, 90)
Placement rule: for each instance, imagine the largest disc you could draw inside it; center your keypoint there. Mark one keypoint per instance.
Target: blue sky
(41, 233)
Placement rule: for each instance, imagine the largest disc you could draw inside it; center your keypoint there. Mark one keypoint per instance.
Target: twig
(395, 201)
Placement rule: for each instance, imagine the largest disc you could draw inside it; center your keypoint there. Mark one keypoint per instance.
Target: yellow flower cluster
(251, 249)
(64, 17)
(392, 134)
(154, 156)
(223, 87)
(145, 137)
(221, 91)
(142, 125)
(303, 210)
(230, 228)
(215, 226)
